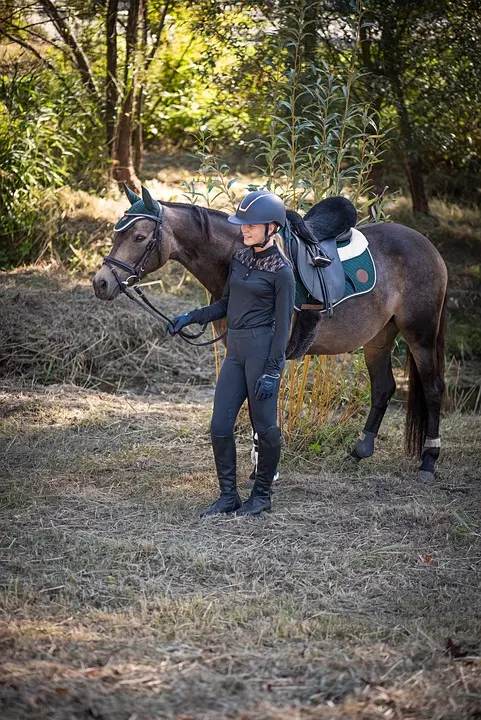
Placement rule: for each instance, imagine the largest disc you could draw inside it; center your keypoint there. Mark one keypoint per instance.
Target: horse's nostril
(100, 285)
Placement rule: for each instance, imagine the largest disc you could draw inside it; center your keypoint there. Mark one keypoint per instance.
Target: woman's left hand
(266, 386)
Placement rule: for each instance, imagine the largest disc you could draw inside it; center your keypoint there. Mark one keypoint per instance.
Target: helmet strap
(267, 236)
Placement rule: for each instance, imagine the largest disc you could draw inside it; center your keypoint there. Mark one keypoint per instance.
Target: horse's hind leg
(426, 342)
(424, 407)
(377, 354)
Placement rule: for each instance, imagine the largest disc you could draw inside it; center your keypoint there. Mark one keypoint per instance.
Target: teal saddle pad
(360, 278)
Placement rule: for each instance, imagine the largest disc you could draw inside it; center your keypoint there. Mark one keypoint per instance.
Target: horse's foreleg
(377, 354)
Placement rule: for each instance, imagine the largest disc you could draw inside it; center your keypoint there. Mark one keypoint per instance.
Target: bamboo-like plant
(213, 180)
(318, 398)
(322, 140)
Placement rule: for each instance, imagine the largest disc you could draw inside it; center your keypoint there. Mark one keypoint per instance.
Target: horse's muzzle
(105, 285)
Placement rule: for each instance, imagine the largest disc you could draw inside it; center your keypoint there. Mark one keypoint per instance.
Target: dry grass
(53, 329)
(118, 602)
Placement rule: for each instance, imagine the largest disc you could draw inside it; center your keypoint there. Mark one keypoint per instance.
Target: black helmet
(260, 208)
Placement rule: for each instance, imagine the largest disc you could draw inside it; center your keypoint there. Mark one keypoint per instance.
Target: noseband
(137, 271)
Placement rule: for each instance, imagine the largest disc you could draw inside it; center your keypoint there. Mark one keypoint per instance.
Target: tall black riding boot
(225, 462)
(269, 454)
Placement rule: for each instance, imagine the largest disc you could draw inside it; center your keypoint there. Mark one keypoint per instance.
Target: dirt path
(119, 603)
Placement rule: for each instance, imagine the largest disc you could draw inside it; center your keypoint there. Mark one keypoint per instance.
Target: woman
(258, 300)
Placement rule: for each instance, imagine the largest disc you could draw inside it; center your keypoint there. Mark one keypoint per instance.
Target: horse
(409, 298)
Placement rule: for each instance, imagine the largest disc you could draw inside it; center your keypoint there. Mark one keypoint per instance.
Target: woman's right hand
(179, 322)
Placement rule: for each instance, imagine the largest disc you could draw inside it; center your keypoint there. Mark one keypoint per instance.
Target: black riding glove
(266, 386)
(179, 322)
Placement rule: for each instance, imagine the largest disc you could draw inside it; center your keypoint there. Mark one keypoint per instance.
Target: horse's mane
(202, 215)
(326, 219)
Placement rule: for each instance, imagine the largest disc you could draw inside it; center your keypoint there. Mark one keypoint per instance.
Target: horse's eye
(140, 238)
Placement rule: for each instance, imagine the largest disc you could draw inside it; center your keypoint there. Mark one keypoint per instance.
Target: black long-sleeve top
(260, 290)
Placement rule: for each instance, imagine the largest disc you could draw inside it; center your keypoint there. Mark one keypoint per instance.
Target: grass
(357, 598)
(118, 602)
(55, 330)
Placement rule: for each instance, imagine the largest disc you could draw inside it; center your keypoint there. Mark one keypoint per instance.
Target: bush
(47, 139)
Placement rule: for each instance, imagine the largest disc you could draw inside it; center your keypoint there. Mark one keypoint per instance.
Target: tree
(115, 92)
(418, 56)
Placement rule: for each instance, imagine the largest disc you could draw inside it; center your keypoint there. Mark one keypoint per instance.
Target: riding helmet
(260, 208)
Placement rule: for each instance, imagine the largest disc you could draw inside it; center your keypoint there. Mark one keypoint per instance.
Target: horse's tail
(441, 343)
(417, 410)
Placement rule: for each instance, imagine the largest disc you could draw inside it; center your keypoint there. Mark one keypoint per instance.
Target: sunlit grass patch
(454, 229)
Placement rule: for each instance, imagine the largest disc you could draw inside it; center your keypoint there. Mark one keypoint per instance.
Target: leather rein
(135, 274)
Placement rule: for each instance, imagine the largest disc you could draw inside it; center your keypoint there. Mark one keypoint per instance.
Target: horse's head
(141, 245)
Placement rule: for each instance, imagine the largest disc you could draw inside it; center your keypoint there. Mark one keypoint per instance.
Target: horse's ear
(133, 197)
(149, 202)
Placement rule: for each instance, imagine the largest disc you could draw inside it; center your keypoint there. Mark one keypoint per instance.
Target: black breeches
(247, 352)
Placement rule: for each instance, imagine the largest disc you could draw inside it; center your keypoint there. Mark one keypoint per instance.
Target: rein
(135, 274)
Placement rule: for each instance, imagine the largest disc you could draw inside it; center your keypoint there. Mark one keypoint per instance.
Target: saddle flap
(315, 279)
(327, 229)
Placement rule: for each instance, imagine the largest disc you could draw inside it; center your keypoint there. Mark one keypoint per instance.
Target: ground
(358, 597)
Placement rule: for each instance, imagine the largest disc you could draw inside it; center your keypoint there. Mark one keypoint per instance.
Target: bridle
(136, 273)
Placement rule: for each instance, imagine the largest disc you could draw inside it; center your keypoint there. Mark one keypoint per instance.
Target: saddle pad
(360, 278)
(353, 247)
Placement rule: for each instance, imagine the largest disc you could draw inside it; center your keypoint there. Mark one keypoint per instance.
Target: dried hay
(53, 329)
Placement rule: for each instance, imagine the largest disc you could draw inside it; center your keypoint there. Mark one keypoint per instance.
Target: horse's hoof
(425, 476)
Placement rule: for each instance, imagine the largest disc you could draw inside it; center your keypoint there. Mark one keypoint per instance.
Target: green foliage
(310, 86)
(464, 336)
(214, 182)
(323, 140)
(192, 86)
(46, 141)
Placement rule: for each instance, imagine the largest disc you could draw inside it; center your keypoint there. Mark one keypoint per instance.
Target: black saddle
(308, 240)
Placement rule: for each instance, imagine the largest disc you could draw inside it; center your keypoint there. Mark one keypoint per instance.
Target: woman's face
(254, 234)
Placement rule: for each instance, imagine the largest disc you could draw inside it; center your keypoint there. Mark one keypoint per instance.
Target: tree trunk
(411, 155)
(416, 184)
(123, 168)
(67, 34)
(111, 91)
(376, 174)
(138, 132)
(412, 159)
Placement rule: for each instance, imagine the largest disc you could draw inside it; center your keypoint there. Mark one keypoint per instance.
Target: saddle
(309, 240)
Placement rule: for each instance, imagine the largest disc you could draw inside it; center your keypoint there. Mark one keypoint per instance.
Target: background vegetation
(378, 100)
(87, 87)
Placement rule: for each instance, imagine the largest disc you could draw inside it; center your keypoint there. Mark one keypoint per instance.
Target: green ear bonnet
(140, 209)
